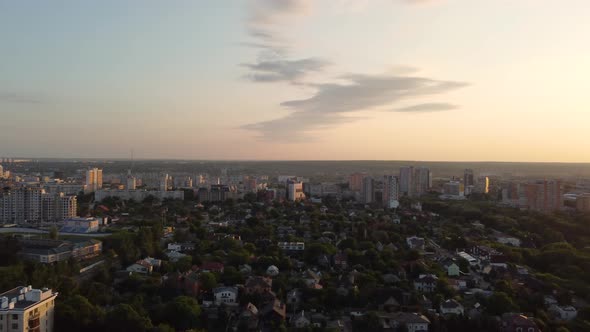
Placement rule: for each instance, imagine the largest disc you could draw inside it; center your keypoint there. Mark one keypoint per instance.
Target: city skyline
(439, 80)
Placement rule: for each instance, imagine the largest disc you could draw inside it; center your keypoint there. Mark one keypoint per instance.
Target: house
(174, 255)
(451, 307)
(458, 284)
(391, 304)
(312, 279)
(214, 267)
(483, 252)
(249, 317)
(258, 285)
(140, 267)
(508, 240)
(563, 312)
(300, 321)
(452, 268)
(274, 311)
(412, 322)
(292, 246)
(415, 242)
(226, 295)
(518, 323)
(185, 246)
(294, 298)
(426, 283)
(272, 271)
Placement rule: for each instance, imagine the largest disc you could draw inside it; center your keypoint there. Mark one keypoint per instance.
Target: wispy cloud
(427, 107)
(333, 103)
(19, 98)
(284, 70)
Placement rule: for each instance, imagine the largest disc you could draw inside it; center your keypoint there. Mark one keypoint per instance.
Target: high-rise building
(295, 191)
(164, 182)
(544, 195)
(406, 181)
(422, 180)
(390, 191)
(468, 178)
(131, 182)
(483, 185)
(93, 179)
(1, 172)
(24, 309)
(368, 190)
(355, 181)
(453, 188)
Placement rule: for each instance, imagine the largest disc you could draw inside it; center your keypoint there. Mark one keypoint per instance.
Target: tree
(500, 303)
(77, 314)
(123, 318)
(208, 281)
(182, 313)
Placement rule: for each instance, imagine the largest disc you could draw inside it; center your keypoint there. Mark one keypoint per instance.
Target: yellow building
(27, 309)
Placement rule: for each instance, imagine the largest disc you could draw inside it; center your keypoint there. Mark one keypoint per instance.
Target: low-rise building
(426, 283)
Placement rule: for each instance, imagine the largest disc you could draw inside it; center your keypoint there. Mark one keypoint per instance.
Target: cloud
(284, 70)
(270, 11)
(17, 98)
(426, 107)
(333, 103)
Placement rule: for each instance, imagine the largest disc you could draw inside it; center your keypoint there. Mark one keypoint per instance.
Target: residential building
(226, 295)
(355, 181)
(368, 190)
(295, 191)
(566, 313)
(391, 191)
(406, 181)
(93, 179)
(80, 225)
(415, 242)
(518, 323)
(412, 322)
(482, 186)
(426, 283)
(25, 309)
(453, 188)
(451, 307)
(50, 251)
(422, 180)
(292, 246)
(544, 195)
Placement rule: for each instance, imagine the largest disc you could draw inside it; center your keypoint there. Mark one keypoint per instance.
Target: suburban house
(563, 312)
(426, 283)
(212, 267)
(451, 307)
(300, 321)
(452, 268)
(226, 295)
(140, 267)
(415, 242)
(518, 323)
(412, 322)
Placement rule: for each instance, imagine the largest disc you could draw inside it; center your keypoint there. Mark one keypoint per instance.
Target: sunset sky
(456, 80)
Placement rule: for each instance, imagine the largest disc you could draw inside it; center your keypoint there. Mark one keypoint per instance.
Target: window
(14, 317)
(15, 326)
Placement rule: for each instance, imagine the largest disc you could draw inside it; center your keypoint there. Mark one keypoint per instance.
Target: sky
(440, 80)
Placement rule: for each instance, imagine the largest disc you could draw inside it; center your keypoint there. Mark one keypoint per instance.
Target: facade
(34, 204)
(453, 188)
(27, 309)
(544, 195)
(368, 190)
(295, 191)
(138, 195)
(391, 191)
(93, 179)
(292, 246)
(355, 181)
(51, 251)
(406, 181)
(483, 185)
(80, 225)
(468, 181)
(226, 295)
